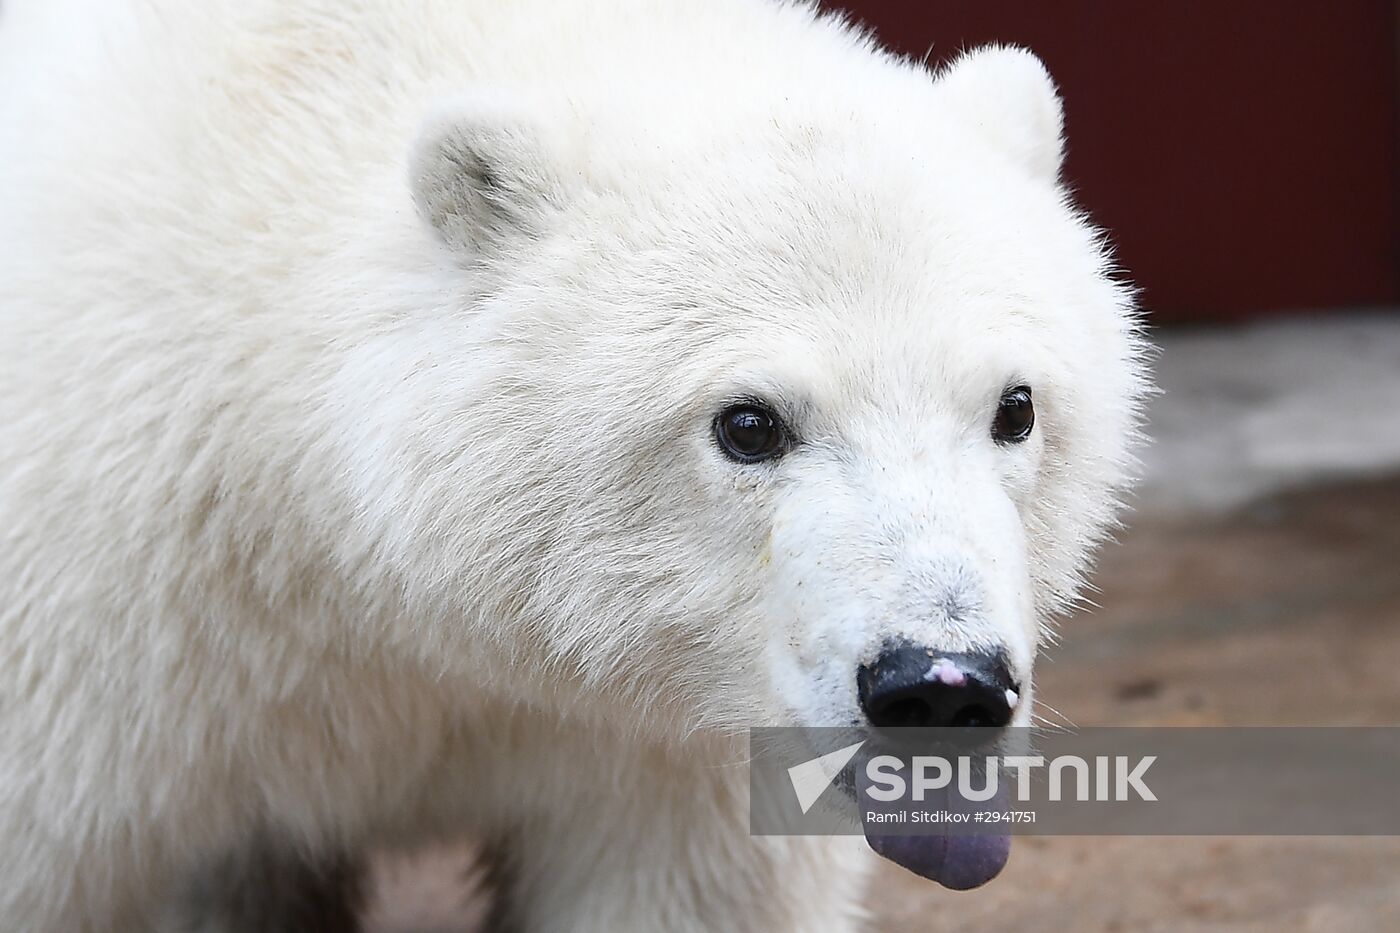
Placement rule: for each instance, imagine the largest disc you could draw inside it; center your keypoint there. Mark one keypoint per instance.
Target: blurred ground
(1259, 584)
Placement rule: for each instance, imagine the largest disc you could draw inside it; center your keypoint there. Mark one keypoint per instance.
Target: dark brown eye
(1015, 416)
(749, 433)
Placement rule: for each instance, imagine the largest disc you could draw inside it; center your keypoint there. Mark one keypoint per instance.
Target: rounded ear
(1008, 96)
(481, 172)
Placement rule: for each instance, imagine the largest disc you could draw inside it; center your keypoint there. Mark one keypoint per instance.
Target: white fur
(357, 477)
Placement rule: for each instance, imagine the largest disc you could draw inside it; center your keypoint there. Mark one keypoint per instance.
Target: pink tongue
(959, 862)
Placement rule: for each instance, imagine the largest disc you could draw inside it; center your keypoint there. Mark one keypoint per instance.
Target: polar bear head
(739, 397)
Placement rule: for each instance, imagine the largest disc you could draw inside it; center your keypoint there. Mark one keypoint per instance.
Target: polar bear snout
(910, 685)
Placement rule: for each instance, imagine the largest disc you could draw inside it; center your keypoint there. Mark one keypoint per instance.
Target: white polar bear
(460, 415)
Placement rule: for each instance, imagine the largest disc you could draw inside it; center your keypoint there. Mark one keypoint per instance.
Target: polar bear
(452, 415)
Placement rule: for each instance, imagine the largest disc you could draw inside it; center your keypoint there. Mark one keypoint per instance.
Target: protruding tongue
(958, 861)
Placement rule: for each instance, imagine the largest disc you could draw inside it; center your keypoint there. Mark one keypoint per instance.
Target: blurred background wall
(1244, 153)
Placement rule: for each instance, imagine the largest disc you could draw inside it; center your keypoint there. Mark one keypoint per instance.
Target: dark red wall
(1242, 152)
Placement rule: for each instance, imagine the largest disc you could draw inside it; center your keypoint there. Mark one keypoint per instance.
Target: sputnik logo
(811, 778)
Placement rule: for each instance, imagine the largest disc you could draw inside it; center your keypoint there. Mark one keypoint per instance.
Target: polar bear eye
(1015, 416)
(749, 433)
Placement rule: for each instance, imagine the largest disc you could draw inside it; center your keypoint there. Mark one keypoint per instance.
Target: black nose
(908, 685)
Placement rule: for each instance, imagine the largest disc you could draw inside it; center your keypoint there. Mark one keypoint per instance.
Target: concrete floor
(1264, 548)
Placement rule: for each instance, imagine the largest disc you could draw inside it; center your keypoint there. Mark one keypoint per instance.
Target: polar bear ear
(482, 172)
(1009, 97)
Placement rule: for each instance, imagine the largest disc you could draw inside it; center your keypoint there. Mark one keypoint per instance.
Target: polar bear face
(752, 399)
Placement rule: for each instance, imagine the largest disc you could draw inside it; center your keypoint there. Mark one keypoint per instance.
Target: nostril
(910, 711)
(909, 686)
(977, 715)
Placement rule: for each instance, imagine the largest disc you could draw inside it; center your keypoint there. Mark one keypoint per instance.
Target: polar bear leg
(598, 830)
(648, 870)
